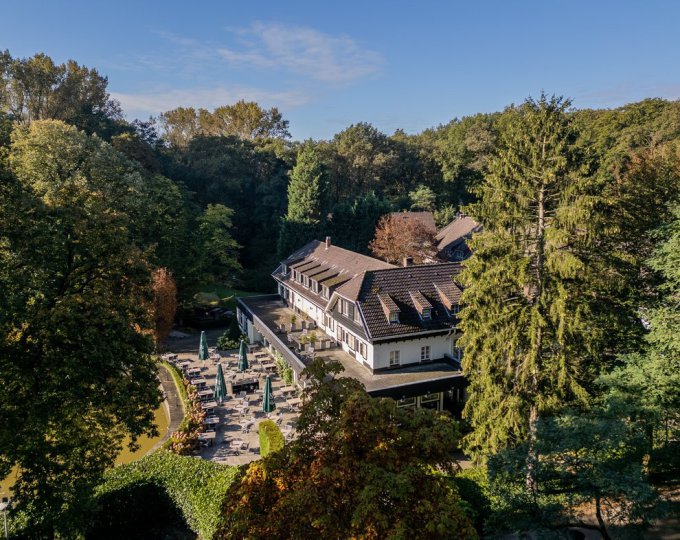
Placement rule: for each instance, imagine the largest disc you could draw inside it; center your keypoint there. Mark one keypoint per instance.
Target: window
(357, 317)
(406, 402)
(362, 349)
(394, 317)
(394, 358)
(325, 292)
(284, 269)
(315, 286)
(427, 314)
(455, 309)
(306, 282)
(424, 353)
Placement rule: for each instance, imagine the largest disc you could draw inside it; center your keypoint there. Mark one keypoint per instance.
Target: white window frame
(425, 353)
(394, 317)
(427, 314)
(395, 359)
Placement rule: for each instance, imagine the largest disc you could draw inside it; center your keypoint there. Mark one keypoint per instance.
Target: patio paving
(229, 427)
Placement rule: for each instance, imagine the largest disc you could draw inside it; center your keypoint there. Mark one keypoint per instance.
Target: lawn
(220, 295)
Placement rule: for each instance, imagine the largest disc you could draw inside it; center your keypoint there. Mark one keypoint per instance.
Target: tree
(306, 194)
(646, 384)
(37, 89)
(589, 460)
(216, 255)
(164, 303)
(423, 198)
(245, 120)
(532, 339)
(360, 468)
(74, 322)
(396, 238)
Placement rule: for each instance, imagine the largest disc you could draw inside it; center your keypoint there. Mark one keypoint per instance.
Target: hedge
(196, 486)
(271, 438)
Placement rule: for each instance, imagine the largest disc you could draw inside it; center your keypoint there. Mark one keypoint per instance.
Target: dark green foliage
(195, 486)
(352, 226)
(271, 438)
(140, 511)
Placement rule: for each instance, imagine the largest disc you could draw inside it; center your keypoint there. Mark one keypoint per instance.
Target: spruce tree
(531, 340)
(306, 192)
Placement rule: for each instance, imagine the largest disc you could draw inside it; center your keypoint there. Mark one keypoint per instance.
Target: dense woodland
(571, 318)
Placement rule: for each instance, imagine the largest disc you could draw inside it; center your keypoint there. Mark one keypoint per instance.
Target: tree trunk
(600, 520)
(532, 455)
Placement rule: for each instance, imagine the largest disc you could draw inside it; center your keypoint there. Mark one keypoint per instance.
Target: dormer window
(284, 269)
(390, 308)
(325, 292)
(422, 305)
(315, 286)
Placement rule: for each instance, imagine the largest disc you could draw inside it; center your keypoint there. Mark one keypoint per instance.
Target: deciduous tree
(164, 303)
(396, 238)
(360, 468)
(74, 344)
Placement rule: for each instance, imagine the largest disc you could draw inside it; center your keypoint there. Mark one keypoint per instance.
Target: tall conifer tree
(306, 192)
(531, 340)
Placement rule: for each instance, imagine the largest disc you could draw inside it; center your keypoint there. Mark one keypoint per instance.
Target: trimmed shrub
(195, 486)
(271, 438)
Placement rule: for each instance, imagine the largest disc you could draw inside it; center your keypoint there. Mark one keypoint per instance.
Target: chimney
(408, 261)
(328, 242)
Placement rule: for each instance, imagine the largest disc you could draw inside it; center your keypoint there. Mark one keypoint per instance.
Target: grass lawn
(216, 294)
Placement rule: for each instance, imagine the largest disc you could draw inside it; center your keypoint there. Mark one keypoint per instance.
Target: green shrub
(287, 375)
(271, 438)
(196, 487)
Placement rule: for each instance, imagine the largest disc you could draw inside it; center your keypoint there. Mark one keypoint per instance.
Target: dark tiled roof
(456, 232)
(426, 218)
(399, 284)
(336, 268)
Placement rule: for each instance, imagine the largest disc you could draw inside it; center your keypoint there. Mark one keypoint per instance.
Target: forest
(571, 314)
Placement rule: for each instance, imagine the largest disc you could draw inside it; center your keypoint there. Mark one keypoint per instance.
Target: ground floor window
(425, 353)
(394, 358)
(430, 401)
(362, 349)
(406, 402)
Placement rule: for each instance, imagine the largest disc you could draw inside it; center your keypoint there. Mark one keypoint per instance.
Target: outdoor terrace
(269, 314)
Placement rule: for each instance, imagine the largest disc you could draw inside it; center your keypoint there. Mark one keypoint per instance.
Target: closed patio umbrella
(267, 398)
(242, 357)
(220, 393)
(203, 347)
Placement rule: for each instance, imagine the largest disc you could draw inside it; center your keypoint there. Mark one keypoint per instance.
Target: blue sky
(409, 65)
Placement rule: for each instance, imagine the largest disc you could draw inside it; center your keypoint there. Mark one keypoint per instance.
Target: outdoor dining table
(245, 384)
(208, 405)
(287, 389)
(199, 381)
(236, 444)
(207, 436)
(269, 365)
(205, 394)
(295, 402)
(194, 371)
(184, 364)
(211, 421)
(169, 356)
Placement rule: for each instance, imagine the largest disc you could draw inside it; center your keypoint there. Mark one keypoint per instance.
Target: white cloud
(141, 105)
(303, 51)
